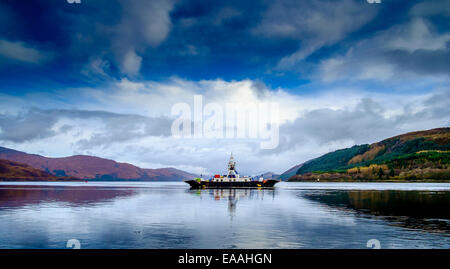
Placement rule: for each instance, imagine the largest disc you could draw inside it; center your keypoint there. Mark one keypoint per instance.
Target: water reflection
(424, 210)
(232, 196)
(17, 196)
(169, 215)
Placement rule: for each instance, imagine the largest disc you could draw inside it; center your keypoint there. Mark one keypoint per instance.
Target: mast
(231, 167)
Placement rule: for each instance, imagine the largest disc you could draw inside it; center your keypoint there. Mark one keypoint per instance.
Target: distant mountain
(168, 174)
(10, 170)
(290, 172)
(416, 155)
(270, 175)
(93, 168)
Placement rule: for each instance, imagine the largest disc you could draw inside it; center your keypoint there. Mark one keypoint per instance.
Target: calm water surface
(169, 215)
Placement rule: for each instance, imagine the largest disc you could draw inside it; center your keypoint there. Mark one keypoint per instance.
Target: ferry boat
(231, 180)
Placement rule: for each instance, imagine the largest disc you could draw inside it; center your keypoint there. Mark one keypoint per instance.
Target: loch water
(169, 215)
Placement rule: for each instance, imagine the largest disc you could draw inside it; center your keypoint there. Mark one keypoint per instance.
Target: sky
(102, 77)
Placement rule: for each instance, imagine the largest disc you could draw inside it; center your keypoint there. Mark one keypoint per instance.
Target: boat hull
(230, 185)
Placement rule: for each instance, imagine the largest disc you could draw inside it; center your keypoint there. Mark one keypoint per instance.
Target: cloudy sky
(101, 77)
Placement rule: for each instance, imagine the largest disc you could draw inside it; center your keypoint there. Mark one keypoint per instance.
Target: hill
(290, 172)
(270, 175)
(10, 171)
(416, 155)
(93, 168)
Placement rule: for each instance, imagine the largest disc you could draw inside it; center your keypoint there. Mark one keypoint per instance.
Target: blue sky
(232, 40)
(345, 72)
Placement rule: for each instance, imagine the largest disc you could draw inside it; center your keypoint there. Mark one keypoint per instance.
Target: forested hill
(395, 156)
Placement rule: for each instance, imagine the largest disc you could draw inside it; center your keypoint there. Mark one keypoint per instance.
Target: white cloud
(21, 52)
(96, 68)
(418, 34)
(144, 24)
(156, 98)
(149, 20)
(131, 63)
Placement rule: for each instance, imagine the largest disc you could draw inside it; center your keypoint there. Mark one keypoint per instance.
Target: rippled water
(169, 215)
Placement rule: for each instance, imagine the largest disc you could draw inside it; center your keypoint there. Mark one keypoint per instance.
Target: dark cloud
(123, 128)
(432, 8)
(363, 124)
(313, 23)
(366, 123)
(403, 52)
(422, 62)
(36, 124)
(26, 126)
(108, 39)
(435, 107)
(18, 51)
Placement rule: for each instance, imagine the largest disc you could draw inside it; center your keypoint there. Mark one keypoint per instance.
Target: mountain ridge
(93, 168)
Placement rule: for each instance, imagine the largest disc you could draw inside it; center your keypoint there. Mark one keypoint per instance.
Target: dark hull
(228, 185)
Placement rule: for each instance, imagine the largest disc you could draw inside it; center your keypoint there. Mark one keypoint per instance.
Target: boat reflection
(423, 210)
(235, 195)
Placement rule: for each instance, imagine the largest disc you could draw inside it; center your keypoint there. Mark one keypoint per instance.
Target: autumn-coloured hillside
(415, 155)
(93, 168)
(10, 170)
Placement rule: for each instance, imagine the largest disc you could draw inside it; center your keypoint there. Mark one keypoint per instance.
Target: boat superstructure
(231, 180)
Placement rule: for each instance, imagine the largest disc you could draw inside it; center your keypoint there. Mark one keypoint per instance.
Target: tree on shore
(391, 172)
(380, 173)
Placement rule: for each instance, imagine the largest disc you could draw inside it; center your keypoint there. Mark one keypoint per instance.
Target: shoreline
(376, 181)
(285, 181)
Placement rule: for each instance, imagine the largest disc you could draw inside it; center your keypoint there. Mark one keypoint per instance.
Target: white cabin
(232, 175)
